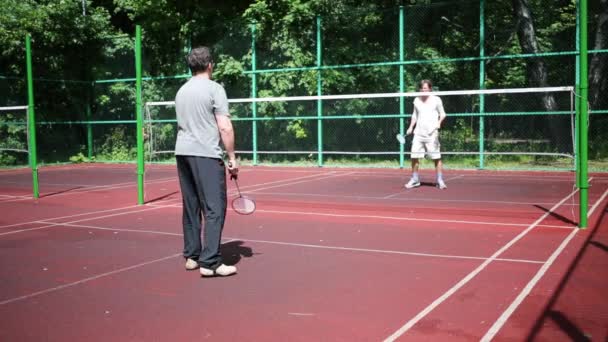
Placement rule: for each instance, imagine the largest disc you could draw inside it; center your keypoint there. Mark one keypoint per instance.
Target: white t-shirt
(427, 115)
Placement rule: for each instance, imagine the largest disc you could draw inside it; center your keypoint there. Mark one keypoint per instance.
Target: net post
(401, 83)
(584, 182)
(482, 74)
(31, 117)
(577, 78)
(139, 114)
(254, 93)
(89, 125)
(319, 101)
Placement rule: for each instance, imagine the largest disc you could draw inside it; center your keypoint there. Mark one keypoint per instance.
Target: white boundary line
(403, 218)
(96, 188)
(81, 220)
(178, 205)
(409, 324)
(447, 256)
(403, 191)
(69, 216)
(386, 251)
(498, 324)
(406, 199)
(85, 280)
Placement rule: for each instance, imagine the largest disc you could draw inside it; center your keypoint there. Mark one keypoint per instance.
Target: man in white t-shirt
(427, 118)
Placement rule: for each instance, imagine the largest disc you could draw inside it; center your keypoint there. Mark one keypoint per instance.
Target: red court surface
(329, 255)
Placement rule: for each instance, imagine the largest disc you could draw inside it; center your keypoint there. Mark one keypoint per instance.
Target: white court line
(406, 199)
(398, 218)
(385, 251)
(405, 218)
(155, 232)
(52, 224)
(498, 324)
(298, 182)
(404, 190)
(471, 275)
(69, 216)
(481, 176)
(85, 280)
(448, 256)
(100, 188)
(133, 206)
(287, 181)
(12, 196)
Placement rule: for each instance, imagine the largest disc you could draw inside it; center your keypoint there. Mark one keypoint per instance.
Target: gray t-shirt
(196, 104)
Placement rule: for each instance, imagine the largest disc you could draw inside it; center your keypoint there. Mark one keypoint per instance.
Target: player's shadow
(557, 216)
(162, 197)
(59, 192)
(233, 251)
(431, 184)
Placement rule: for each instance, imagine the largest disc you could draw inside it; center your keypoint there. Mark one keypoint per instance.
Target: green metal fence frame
(581, 138)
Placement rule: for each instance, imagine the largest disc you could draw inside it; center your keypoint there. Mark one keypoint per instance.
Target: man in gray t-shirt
(204, 132)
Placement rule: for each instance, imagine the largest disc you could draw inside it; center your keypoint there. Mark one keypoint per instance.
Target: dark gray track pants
(203, 184)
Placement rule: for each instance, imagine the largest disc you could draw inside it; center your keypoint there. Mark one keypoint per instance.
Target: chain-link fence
(85, 100)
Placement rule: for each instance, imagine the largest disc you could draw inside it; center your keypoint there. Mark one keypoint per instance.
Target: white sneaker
(441, 184)
(191, 264)
(413, 183)
(222, 271)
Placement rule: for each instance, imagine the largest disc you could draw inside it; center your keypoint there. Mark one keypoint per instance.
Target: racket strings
(243, 205)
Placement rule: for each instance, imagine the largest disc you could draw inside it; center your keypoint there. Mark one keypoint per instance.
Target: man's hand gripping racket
(401, 137)
(242, 204)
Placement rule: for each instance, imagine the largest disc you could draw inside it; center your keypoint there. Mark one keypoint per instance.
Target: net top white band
(13, 108)
(387, 95)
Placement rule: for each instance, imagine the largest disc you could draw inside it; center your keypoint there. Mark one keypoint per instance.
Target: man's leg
(436, 155)
(415, 167)
(415, 180)
(211, 177)
(191, 212)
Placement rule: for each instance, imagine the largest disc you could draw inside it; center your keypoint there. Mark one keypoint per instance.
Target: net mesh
(14, 149)
(516, 126)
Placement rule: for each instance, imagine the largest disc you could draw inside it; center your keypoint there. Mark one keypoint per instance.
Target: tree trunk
(537, 71)
(598, 68)
(537, 76)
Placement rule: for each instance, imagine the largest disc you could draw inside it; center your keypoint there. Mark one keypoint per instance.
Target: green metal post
(319, 92)
(582, 127)
(139, 117)
(254, 94)
(31, 117)
(89, 125)
(401, 83)
(577, 80)
(482, 83)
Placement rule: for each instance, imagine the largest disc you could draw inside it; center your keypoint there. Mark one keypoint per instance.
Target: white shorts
(422, 147)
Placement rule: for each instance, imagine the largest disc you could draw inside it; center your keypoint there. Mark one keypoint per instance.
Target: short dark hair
(199, 59)
(423, 82)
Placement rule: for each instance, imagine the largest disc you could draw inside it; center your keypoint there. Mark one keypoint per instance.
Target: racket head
(400, 138)
(243, 205)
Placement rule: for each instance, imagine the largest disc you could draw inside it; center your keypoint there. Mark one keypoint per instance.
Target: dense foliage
(77, 45)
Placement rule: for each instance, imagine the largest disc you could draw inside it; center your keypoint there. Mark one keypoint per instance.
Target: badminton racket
(242, 204)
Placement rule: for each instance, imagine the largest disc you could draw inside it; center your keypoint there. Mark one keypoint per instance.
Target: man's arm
(227, 135)
(441, 112)
(412, 122)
